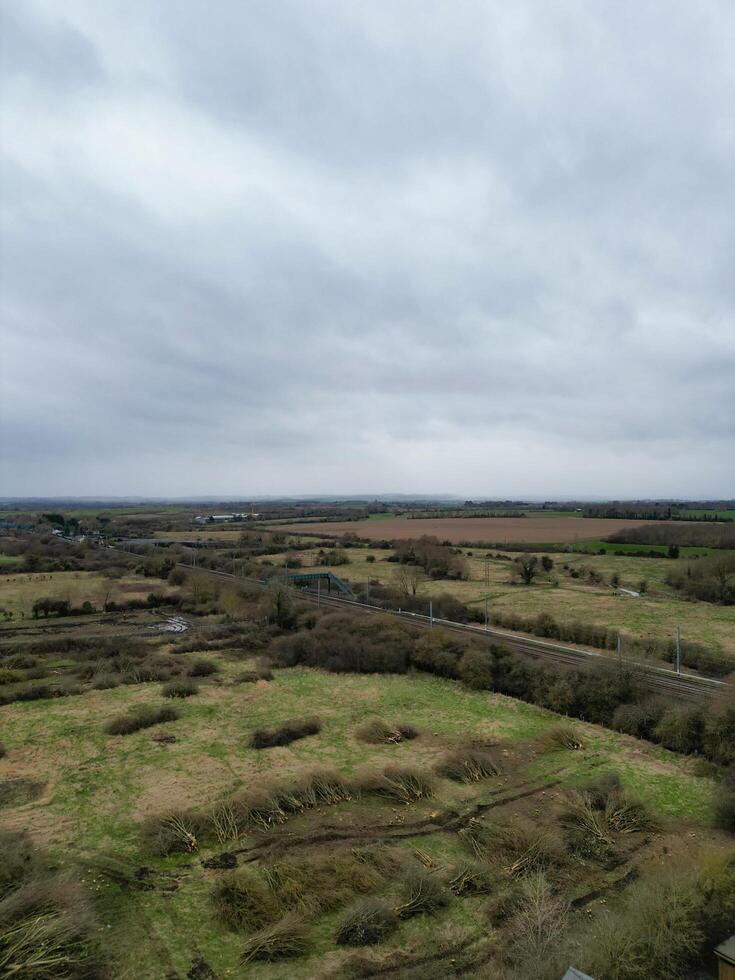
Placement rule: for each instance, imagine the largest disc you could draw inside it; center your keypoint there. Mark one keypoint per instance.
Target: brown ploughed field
(492, 530)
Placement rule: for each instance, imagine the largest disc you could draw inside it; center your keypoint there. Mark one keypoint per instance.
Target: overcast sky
(298, 246)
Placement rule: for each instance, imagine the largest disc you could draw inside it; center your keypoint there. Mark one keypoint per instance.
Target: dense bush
(340, 642)
(659, 932)
(681, 729)
(243, 900)
(42, 692)
(725, 802)
(436, 559)
(709, 579)
(322, 882)
(50, 607)
(179, 689)
(700, 535)
(142, 717)
(290, 731)
(636, 719)
(202, 668)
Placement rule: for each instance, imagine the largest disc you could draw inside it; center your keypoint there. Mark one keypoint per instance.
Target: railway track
(684, 686)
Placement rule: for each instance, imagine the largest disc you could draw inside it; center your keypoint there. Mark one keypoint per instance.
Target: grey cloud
(471, 248)
(41, 49)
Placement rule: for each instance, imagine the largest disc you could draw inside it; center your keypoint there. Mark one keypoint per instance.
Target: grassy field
(654, 614)
(94, 789)
(19, 592)
(714, 514)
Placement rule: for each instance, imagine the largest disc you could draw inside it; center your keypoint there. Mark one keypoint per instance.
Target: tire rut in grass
(448, 822)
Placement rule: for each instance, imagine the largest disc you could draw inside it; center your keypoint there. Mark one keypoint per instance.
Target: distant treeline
(442, 514)
(702, 535)
(710, 579)
(650, 512)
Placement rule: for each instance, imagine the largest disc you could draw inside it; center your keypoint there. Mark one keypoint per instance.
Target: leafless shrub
(473, 878)
(376, 731)
(593, 815)
(402, 785)
(283, 940)
(540, 920)
(467, 766)
(563, 735)
(522, 846)
(224, 821)
(175, 832)
(421, 892)
(366, 922)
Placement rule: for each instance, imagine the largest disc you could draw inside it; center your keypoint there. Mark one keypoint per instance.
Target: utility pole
(487, 569)
(620, 649)
(678, 649)
(486, 613)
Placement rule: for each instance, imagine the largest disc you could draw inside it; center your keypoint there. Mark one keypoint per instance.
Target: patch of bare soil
(490, 530)
(357, 831)
(19, 791)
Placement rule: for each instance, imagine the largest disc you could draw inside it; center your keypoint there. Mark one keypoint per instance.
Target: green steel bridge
(312, 578)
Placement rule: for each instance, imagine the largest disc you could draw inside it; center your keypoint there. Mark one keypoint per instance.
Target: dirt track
(492, 530)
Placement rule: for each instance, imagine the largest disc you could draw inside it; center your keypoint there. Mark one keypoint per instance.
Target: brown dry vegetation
(493, 530)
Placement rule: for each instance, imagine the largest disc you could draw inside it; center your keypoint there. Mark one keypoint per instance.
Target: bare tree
(540, 921)
(408, 578)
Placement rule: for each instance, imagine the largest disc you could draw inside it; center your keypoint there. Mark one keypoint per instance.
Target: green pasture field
(19, 591)
(716, 514)
(653, 615)
(97, 788)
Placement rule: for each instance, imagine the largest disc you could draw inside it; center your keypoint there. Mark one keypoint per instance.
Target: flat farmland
(19, 592)
(492, 530)
(567, 599)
